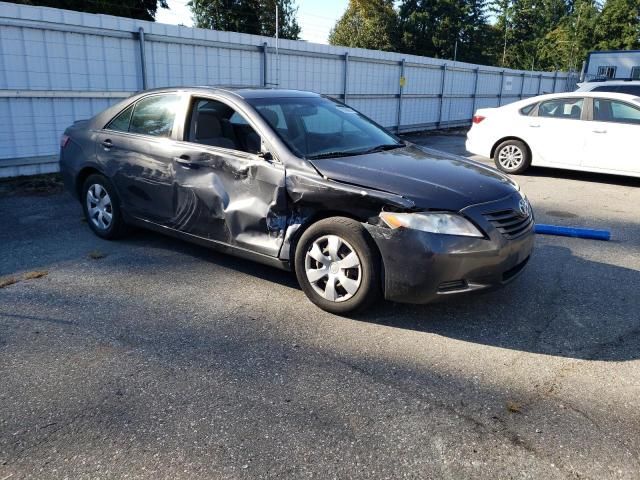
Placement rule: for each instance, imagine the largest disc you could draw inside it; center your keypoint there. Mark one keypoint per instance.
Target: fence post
(444, 78)
(555, 80)
(539, 83)
(501, 88)
(143, 62)
(475, 91)
(522, 86)
(401, 81)
(264, 64)
(346, 76)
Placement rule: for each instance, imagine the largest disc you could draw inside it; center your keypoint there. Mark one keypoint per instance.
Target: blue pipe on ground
(588, 233)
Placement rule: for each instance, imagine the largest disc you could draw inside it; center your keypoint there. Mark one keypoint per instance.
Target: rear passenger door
(137, 148)
(227, 189)
(613, 141)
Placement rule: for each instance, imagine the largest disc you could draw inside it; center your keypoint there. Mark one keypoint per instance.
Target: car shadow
(562, 305)
(592, 177)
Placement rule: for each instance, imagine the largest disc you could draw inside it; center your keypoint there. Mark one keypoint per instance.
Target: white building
(621, 64)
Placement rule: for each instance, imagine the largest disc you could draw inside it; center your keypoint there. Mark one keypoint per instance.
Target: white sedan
(589, 131)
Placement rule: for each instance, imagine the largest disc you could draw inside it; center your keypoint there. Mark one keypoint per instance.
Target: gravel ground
(153, 358)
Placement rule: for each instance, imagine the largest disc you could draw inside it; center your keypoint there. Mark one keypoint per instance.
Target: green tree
(566, 46)
(618, 27)
(140, 9)
(524, 25)
(247, 16)
(367, 24)
(436, 27)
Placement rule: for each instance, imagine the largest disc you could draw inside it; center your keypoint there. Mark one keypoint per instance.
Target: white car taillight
(478, 118)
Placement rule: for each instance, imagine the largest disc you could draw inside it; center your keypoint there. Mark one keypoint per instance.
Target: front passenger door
(226, 190)
(612, 144)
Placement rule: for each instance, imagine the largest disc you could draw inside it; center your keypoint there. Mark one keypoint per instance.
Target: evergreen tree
(247, 16)
(618, 27)
(139, 9)
(566, 46)
(367, 24)
(434, 28)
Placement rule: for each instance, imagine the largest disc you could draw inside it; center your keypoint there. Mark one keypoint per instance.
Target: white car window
(568, 108)
(615, 111)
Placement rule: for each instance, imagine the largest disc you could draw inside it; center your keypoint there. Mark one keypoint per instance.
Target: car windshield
(317, 127)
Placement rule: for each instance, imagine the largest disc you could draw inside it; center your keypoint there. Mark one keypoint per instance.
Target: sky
(316, 17)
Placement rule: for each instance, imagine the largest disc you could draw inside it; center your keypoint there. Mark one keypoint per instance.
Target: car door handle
(107, 144)
(599, 131)
(185, 161)
(534, 125)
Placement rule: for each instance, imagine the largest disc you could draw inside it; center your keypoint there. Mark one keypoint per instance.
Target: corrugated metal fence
(58, 66)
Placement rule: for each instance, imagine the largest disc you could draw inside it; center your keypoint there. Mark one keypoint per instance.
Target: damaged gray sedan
(301, 182)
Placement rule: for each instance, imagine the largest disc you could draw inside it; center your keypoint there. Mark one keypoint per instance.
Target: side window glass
(120, 122)
(155, 115)
(630, 89)
(614, 111)
(527, 110)
(217, 124)
(567, 108)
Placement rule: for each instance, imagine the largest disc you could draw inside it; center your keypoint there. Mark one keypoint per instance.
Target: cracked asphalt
(152, 358)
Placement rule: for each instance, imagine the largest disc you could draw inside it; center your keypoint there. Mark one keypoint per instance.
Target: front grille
(510, 223)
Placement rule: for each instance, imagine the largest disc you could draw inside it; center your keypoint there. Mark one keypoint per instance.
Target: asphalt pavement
(153, 358)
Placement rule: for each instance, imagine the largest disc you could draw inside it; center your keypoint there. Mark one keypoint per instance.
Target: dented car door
(225, 194)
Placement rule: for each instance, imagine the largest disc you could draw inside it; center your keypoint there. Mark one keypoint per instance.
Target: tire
(336, 287)
(512, 156)
(99, 202)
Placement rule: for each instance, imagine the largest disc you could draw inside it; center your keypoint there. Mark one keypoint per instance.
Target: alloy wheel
(511, 157)
(333, 268)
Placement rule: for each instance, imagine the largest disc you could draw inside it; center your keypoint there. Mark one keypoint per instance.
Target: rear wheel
(337, 265)
(512, 156)
(102, 207)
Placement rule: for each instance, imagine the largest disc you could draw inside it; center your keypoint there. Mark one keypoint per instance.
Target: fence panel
(58, 66)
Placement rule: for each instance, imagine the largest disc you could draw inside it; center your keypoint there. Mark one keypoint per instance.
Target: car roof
(614, 95)
(238, 91)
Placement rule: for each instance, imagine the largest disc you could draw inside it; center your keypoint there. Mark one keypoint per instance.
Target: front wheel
(512, 156)
(338, 266)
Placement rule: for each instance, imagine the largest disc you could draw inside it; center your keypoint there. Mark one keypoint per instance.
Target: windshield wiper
(333, 154)
(377, 148)
(382, 148)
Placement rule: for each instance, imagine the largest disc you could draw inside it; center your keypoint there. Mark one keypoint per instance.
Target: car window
(605, 110)
(121, 121)
(630, 89)
(528, 109)
(154, 115)
(217, 124)
(567, 108)
(317, 127)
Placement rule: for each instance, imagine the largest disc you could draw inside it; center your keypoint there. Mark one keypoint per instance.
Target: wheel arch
(82, 175)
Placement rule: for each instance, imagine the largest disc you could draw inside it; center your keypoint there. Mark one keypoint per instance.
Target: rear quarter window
(528, 109)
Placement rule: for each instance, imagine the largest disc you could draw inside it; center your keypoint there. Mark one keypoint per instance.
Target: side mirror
(265, 155)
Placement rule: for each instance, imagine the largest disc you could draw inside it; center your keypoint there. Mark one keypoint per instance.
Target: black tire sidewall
(356, 235)
(116, 228)
(526, 162)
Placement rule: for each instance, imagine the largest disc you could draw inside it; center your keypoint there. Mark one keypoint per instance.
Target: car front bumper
(420, 267)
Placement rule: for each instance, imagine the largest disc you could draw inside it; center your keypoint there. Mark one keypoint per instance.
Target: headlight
(445, 223)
